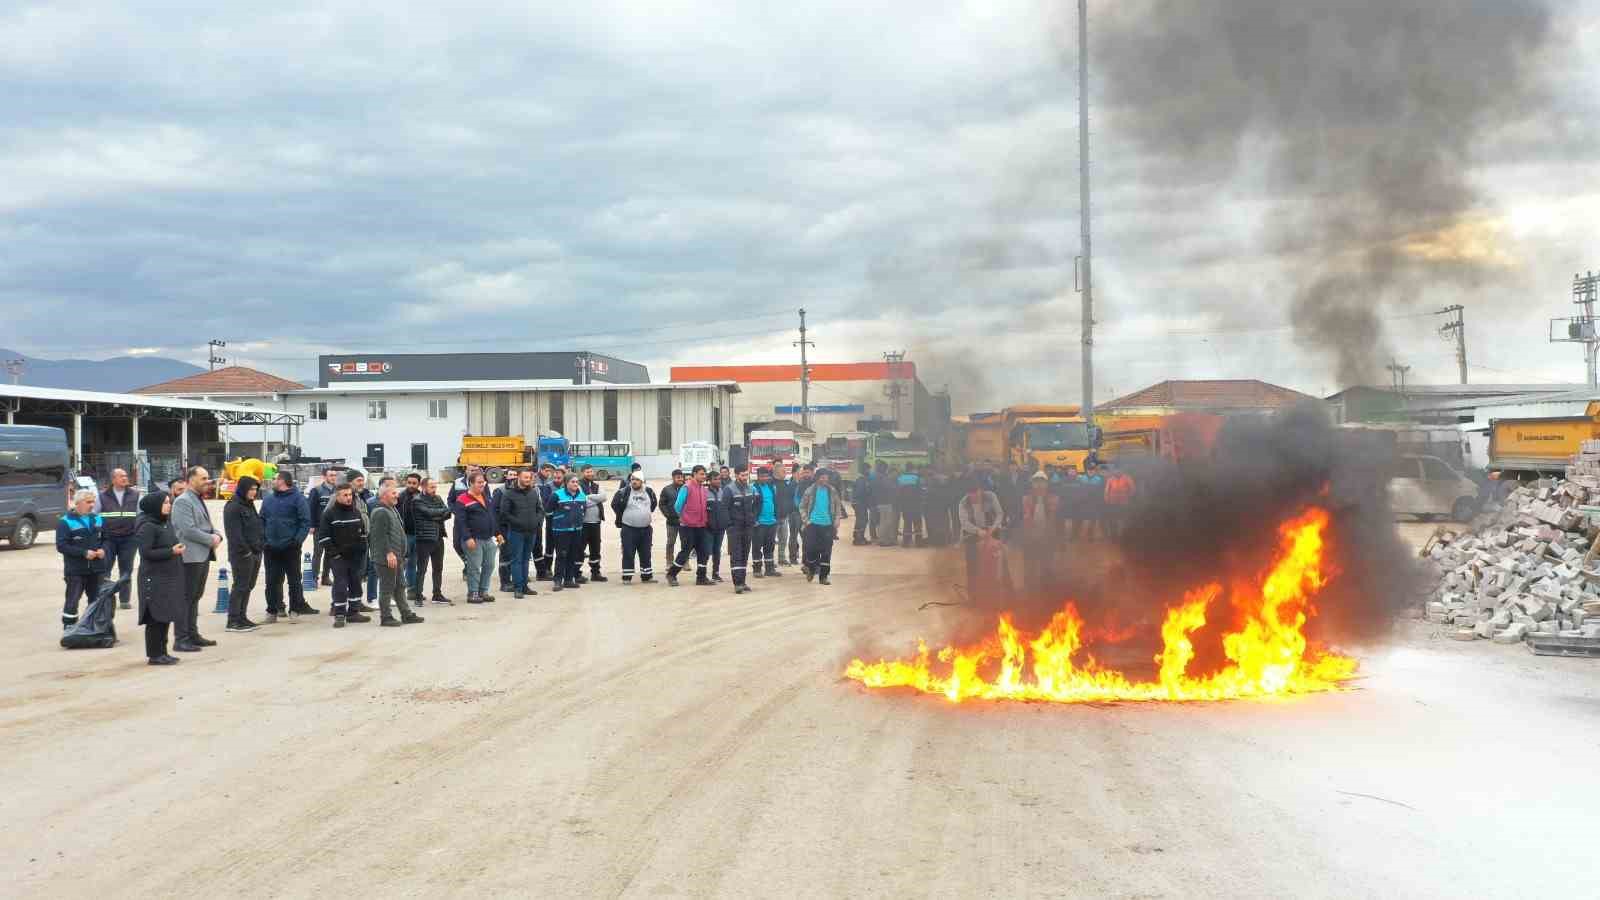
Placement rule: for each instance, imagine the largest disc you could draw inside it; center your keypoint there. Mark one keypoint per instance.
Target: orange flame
(1268, 654)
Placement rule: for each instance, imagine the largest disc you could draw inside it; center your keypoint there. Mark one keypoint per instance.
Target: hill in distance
(117, 375)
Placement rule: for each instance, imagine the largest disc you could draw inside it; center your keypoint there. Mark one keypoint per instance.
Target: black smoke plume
(1361, 116)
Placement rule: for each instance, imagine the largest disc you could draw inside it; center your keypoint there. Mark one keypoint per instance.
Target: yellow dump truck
(1528, 448)
(493, 453)
(1049, 435)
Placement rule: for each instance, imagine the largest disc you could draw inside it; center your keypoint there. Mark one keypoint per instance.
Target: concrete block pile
(1520, 574)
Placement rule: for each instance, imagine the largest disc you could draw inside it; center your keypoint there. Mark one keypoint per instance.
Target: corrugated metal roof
(29, 392)
(468, 386)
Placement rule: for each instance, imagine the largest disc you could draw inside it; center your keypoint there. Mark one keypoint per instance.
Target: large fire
(1267, 652)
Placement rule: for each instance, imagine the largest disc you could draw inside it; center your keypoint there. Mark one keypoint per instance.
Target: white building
(364, 414)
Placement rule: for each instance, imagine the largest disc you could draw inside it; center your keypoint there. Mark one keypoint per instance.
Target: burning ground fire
(1268, 654)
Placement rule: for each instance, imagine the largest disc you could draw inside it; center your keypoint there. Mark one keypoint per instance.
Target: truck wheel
(1464, 510)
(23, 533)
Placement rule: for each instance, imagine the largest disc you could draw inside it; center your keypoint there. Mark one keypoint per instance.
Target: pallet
(1555, 645)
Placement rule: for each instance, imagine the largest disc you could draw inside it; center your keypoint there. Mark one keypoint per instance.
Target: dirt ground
(645, 741)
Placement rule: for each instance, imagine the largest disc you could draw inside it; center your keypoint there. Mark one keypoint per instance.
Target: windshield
(891, 444)
(839, 446)
(773, 447)
(1058, 436)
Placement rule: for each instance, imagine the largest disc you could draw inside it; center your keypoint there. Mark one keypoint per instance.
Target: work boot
(518, 595)
(389, 622)
(757, 570)
(305, 609)
(338, 622)
(542, 576)
(357, 618)
(442, 600)
(486, 597)
(414, 597)
(67, 622)
(575, 583)
(772, 571)
(806, 571)
(700, 579)
(823, 578)
(271, 619)
(560, 586)
(163, 660)
(579, 579)
(411, 619)
(186, 647)
(646, 579)
(716, 576)
(597, 577)
(474, 598)
(672, 575)
(203, 641)
(627, 579)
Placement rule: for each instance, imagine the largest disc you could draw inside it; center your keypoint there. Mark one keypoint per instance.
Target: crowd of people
(376, 548)
(379, 548)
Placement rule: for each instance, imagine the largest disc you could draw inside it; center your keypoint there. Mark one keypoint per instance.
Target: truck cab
(1052, 441)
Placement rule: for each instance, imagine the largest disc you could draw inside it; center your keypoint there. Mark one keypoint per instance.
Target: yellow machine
(1532, 447)
(232, 471)
(1049, 435)
(494, 454)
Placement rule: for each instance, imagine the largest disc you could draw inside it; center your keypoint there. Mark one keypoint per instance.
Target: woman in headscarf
(161, 586)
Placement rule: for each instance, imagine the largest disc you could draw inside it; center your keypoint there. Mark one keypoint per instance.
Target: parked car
(1427, 487)
(33, 481)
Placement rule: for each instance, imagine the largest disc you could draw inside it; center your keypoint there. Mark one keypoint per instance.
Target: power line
(214, 346)
(805, 372)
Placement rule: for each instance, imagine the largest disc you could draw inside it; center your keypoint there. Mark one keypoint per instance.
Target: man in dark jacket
(544, 550)
(861, 498)
(317, 500)
(717, 522)
(797, 489)
(632, 508)
(84, 562)
(386, 543)
(669, 511)
(343, 535)
(118, 506)
(247, 542)
(402, 508)
(520, 515)
(740, 506)
(286, 518)
(768, 514)
(428, 514)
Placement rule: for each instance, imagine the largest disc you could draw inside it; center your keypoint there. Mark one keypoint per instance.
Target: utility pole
(1083, 214)
(1458, 330)
(216, 360)
(894, 390)
(1580, 329)
(805, 373)
(14, 369)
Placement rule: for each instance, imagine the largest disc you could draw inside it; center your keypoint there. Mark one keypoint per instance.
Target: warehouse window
(663, 420)
(377, 409)
(317, 410)
(716, 425)
(558, 417)
(611, 415)
(439, 409)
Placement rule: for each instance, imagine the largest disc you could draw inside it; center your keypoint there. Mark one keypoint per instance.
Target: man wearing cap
(632, 508)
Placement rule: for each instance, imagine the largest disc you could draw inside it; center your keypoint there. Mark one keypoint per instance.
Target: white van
(699, 453)
(1426, 487)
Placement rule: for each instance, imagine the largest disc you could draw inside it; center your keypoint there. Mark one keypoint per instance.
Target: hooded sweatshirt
(241, 523)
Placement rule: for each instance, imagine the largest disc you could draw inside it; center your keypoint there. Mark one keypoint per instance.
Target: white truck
(699, 453)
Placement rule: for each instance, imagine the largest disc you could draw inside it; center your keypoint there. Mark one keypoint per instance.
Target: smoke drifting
(1362, 116)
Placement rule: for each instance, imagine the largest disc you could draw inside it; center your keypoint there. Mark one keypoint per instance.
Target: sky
(670, 182)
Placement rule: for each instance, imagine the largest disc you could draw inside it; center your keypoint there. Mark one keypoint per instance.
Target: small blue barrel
(222, 590)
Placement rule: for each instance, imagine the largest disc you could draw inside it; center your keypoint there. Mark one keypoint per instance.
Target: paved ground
(644, 741)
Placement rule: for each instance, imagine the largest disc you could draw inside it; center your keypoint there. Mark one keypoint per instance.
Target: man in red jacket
(694, 528)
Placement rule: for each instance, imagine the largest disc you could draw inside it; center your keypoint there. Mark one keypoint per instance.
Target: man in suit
(200, 538)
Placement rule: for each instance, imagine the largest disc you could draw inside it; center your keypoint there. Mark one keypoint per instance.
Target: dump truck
(1177, 438)
(494, 454)
(1523, 449)
(1048, 435)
